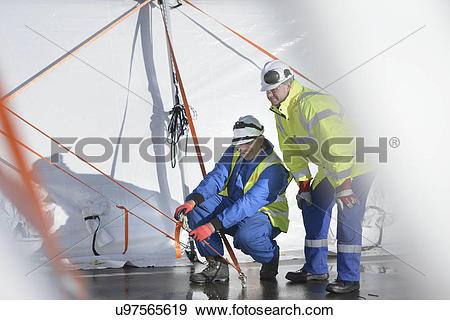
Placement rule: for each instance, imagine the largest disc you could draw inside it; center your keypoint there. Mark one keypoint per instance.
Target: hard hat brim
(237, 143)
(266, 87)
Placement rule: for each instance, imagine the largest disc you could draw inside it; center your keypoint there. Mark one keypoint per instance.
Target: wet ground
(381, 278)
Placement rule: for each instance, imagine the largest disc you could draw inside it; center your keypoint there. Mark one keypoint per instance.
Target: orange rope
(183, 95)
(250, 42)
(53, 164)
(85, 184)
(85, 161)
(119, 207)
(70, 53)
(230, 251)
(197, 148)
(32, 210)
(65, 57)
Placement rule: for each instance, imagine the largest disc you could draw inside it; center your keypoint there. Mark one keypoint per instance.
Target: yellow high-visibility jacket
(277, 211)
(305, 115)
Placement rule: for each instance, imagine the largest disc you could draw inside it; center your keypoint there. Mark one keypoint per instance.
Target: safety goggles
(276, 76)
(241, 125)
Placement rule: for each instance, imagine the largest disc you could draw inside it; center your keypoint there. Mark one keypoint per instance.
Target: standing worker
(304, 116)
(243, 196)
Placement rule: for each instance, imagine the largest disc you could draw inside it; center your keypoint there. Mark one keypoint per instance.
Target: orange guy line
(9, 96)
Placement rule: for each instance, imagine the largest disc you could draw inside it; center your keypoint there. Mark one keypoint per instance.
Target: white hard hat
(246, 129)
(274, 73)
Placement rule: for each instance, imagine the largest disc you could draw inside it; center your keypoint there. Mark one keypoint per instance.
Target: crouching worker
(243, 197)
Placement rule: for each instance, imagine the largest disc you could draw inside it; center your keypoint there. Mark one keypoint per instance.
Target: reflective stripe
(280, 125)
(301, 173)
(277, 213)
(273, 158)
(349, 248)
(316, 243)
(306, 94)
(318, 116)
(302, 140)
(281, 198)
(302, 119)
(339, 175)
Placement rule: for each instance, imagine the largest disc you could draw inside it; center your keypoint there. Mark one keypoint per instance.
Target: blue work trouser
(253, 235)
(316, 219)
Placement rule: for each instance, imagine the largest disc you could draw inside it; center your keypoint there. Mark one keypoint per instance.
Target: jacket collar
(282, 109)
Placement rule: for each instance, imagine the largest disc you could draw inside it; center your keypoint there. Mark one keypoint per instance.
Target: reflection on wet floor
(377, 268)
(210, 291)
(384, 278)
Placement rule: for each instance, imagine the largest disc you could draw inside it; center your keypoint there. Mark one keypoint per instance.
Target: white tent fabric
(119, 87)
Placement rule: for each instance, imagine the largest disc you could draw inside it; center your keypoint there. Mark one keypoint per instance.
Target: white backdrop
(386, 62)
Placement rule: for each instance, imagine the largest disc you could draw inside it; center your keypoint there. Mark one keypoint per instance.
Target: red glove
(344, 195)
(202, 232)
(304, 193)
(183, 210)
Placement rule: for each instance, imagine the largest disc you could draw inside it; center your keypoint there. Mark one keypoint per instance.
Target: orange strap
(251, 43)
(70, 53)
(126, 227)
(177, 239)
(170, 237)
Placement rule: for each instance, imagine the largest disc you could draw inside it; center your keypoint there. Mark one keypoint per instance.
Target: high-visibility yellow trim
(277, 211)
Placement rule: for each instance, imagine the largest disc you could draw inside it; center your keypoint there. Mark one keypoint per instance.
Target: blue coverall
(316, 219)
(252, 230)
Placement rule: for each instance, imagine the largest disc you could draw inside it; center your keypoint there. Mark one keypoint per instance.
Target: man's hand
(183, 210)
(344, 196)
(202, 232)
(304, 193)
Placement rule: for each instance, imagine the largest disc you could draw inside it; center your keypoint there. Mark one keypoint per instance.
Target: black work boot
(270, 270)
(216, 271)
(303, 276)
(342, 286)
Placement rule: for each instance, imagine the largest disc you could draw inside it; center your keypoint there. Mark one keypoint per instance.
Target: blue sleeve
(214, 181)
(271, 183)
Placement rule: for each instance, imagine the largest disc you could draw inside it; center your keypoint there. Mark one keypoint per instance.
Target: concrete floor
(381, 278)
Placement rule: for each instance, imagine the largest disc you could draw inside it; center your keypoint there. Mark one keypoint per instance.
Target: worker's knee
(251, 241)
(259, 246)
(243, 240)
